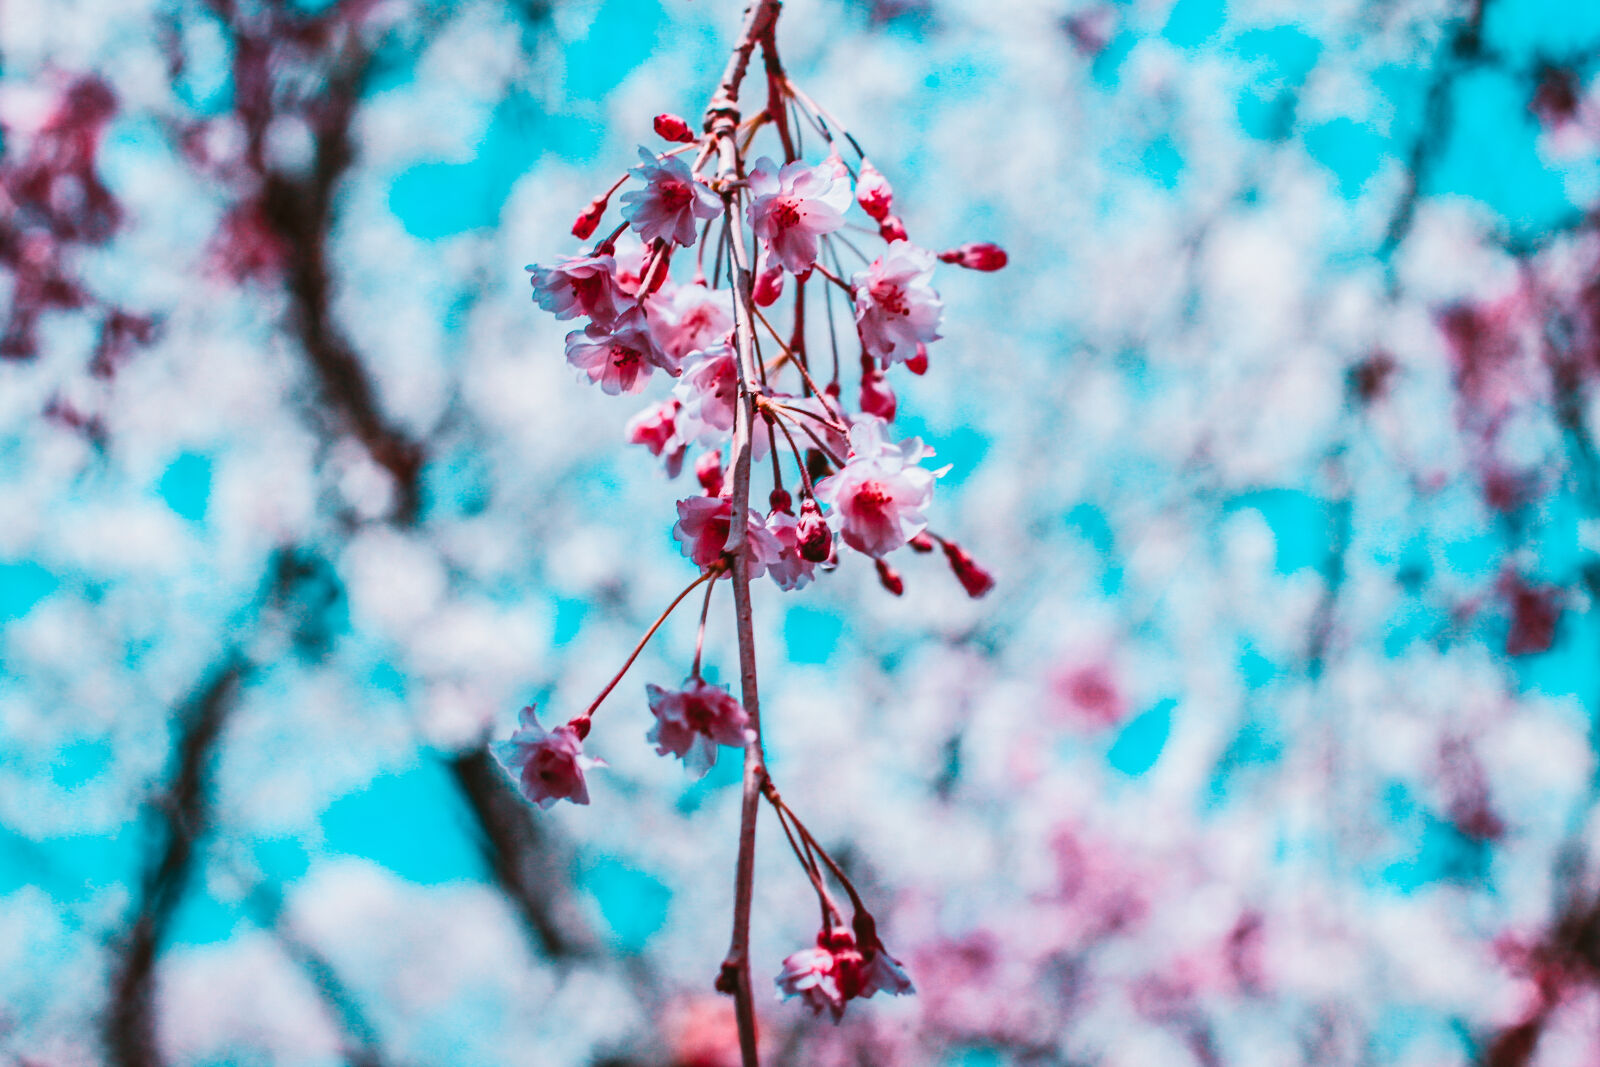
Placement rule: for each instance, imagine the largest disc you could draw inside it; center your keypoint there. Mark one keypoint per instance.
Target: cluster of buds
(762, 250)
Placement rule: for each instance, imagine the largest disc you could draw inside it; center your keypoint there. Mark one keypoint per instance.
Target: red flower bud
(973, 578)
(921, 543)
(769, 286)
(873, 193)
(877, 398)
(889, 578)
(892, 229)
(781, 501)
(976, 256)
(586, 223)
(708, 469)
(815, 539)
(671, 128)
(918, 364)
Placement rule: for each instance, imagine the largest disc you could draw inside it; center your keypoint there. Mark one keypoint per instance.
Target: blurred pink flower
(547, 764)
(691, 722)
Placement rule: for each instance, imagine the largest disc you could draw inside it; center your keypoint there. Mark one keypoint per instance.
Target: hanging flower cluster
(765, 252)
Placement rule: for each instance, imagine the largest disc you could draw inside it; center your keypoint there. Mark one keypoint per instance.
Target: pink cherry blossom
(691, 722)
(667, 207)
(792, 207)
(702, 530)
(709, 388)
(630, 257)
(879, 496)
(619, 356)
(547, 764)
(896, 309)
(811, 975)
(687, 318)
(579, 285)
(791, 570)
(839, 970)
(657, 429)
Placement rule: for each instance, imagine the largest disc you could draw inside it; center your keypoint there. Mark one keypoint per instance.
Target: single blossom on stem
(896, 308)
(792, 569)
(579, 285)
(548, 764)
(619, 357)
(791, 208)
(838, 970)
(672, 202)
(703, 526)
(688, 318)
(878, 499)
(657, 428)
(691, 722)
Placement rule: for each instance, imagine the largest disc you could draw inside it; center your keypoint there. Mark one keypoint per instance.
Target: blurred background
(1274, 745)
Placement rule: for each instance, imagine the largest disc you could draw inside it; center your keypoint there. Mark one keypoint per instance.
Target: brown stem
(721, 122)
(710, 572)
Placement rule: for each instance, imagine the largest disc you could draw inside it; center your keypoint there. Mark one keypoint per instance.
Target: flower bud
(873, 193)
(586, 223)
(892, 229)
(918, 364)
(708, 470)
(921, 543)
(973, 578)
(976, 256)
(877, 397)
(889, 578)
(812, 533)
(769, 286)
(780, 500)
(672, 128)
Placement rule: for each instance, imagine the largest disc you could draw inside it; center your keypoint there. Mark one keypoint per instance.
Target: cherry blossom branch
(721, 122)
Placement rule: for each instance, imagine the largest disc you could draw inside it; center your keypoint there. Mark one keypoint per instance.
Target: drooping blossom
(579, 285)
(791, 570)
(547, 764)
(619, 356)
(691, 722)
(839, 970)
(687, 318)
(671, 201)
(896, 308)
(708, 472)
(657, 428)
(877, 500)
(702, 530)
(792, 207)
(709, 388)
(629, 253)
